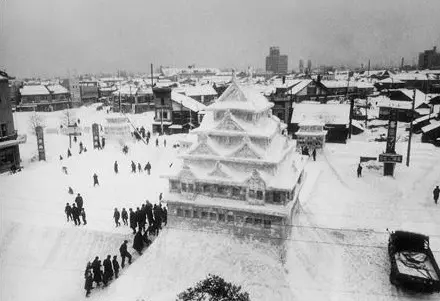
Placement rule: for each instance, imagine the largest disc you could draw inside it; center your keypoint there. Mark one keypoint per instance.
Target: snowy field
(337, 250)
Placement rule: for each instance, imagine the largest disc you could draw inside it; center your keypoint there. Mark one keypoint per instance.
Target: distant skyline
(50, 37)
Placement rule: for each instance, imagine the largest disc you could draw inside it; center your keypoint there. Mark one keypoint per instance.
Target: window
(190, 187)
(162, 102)
(267, 223)
(248, 220)
(3, 129)
(236, 192)
(212, 216)
(221, 189)
(174, 185)
(204, 215)
(206, 188)
(257, 221)
(221, 217)
(179, 212)
(164, 115)
(252, 193)
(230, 218)
(259, 194)
(195, 214)
(184, 187)
(187, 213)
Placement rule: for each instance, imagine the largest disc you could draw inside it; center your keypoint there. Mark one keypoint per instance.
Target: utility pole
(366, 113)
(368, 73)
(408, 153)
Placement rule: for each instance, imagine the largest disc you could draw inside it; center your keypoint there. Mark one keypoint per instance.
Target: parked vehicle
(413, 265)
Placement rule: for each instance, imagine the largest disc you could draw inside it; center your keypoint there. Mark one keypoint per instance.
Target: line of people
(94, 272)
(74, 212)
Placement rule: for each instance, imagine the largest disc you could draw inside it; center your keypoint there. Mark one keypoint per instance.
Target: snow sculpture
(117, 128)
(242, 174)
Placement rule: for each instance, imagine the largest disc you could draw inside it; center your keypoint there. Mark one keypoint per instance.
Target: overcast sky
(48, 37)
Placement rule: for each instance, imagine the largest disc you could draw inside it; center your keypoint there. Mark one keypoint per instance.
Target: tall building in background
(275, 62)
(309, 65)
(301, 66)
(429, 59)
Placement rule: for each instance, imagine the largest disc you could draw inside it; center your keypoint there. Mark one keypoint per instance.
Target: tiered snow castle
(117, 128)
(242, 175)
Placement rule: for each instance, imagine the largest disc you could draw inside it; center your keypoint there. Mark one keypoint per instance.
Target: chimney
(434, 48)
(284, 80)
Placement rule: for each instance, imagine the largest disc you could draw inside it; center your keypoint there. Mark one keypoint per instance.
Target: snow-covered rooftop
(199, 90)
(326, 113)
(57, 89)
(34, 90)
(433, 125)
(187, 102)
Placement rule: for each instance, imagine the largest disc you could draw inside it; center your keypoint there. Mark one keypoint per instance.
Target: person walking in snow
(148, 135)
(115, 266)
(102, 142)
(436, 193)
(133, 221)
(157, 142)
(70, 190)
(88, 282)
(81, 147)
(116, 167)
(83, 216)
(69, 154)
(75, 215)
(133, 167)
(164, 142)
(148, 167)
(97, 272)
(160, 196)
(124, 253)
(116, 216)
(359, 170)
(95, 180)
(79, 201)
(108, 270)
(139, 167)
(165, 215)
(68, 211)
(61, 158)
(314, 154)
(124, 216)
(138, 242)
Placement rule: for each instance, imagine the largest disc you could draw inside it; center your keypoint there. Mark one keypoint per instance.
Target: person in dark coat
(70, 190)
(108, 270)
(148, 135)
(147, 241)
(75, 215)
(133, 221)
(165, 215)
(115, 167)
(81, 147)
(436, 193)
(61, 158)
(133, 167)
(75, 139)
(314, 154)
(69, 154)
(85, 149)
(157, 141)
(142, 217)
(148, 167)
(88, 282)
(83, 216)
(115, 266)
(103, 142)
(116, 216)
(138, 215)
(124, 215)
(160, 196)
(149, 211)
(79, 201)
(68, 211)
(138, 242)
(95, 180)
(97, 273)
(139, 167)
(359, 170)
(124, 253)
(164, 142)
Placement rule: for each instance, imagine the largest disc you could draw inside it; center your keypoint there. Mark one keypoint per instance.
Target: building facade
(241, 175)
(429, 59)
(276, 62)
(9, 149)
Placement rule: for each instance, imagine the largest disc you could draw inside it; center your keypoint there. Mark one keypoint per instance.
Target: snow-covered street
(337, 250)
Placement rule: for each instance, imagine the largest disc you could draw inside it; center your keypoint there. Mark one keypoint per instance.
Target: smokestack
(401, 63)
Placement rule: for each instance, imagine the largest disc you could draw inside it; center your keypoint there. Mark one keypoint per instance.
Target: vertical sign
(95, 134)
(40, 143)
(392, 132)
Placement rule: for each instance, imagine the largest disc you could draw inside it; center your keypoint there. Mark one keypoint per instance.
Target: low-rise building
(9, 140)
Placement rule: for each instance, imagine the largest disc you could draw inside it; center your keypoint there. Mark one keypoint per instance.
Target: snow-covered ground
(337, 250)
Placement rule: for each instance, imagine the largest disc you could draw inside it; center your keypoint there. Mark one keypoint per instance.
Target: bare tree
(36, 120)
(67, 118)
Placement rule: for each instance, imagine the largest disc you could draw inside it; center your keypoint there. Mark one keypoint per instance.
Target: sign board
(390, 158)
(95, 135)
(40, 143)
(392, 132)
(73, 130)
